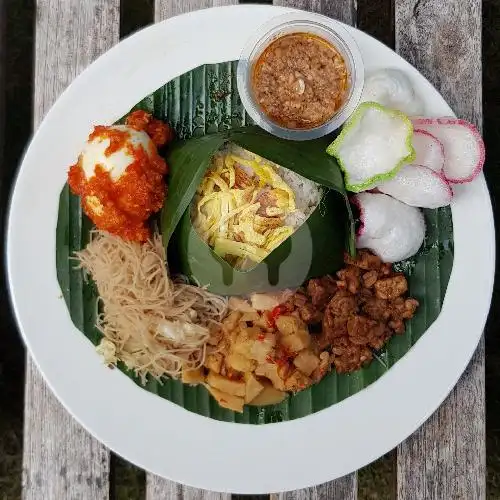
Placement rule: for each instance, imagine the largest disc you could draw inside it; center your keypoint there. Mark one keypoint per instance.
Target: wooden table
(445, 458)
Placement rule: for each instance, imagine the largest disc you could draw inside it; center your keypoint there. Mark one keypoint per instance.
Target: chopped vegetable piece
(418, 186)
(373, 145)
(306, 361)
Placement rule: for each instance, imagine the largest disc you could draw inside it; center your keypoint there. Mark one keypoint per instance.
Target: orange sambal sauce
(300, 81)
(123, 206)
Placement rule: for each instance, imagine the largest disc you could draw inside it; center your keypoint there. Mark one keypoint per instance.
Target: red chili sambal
(122, 206)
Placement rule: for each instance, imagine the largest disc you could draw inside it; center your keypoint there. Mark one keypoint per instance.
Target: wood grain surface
(446, 458)
(158, 488)
(61, 460)
(168, 8)
(345, 488)
(343, 10)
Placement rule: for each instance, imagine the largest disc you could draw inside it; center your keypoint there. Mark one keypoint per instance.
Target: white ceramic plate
(154, 433)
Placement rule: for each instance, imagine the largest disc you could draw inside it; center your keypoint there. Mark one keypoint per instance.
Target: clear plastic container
(301, 22)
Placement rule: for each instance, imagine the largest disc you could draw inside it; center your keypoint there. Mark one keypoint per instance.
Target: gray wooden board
(344, 488)
(158, 488)
(445, 459)
(61, 460)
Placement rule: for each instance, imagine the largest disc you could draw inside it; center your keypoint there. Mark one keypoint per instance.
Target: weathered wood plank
(158, 488)
(61, 460)
(168, 8)
(446, 457)
(343, 10)
(345, 488)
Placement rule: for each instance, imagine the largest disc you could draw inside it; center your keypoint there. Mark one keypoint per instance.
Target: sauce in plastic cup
(316, 26)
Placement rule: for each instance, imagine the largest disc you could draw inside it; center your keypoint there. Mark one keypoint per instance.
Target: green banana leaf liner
(205, 101)
(315, 249)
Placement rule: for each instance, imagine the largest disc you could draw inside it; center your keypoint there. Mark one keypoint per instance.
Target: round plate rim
(337, 440)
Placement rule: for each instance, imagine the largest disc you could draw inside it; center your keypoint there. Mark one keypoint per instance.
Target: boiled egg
(95, 151)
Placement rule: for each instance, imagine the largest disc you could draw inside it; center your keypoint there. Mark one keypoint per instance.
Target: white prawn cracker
(391, 229)
(464, 151)
(418, 186)
(373, 145)
(392, 88)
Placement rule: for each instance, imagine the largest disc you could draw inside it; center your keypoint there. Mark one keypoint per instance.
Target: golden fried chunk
(288, 325)
(364, 259)
(240, 363)
(391, 288)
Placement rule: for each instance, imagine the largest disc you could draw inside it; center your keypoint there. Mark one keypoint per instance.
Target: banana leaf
(205, 101)
(315, 249)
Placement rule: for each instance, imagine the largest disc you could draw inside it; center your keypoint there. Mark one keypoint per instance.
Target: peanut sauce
(300, 81)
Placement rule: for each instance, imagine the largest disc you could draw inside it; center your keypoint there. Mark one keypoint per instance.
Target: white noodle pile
(140, 303)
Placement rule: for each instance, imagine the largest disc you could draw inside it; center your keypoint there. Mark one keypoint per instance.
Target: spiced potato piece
(253, 387)
(239, 363)
(213, 361)
(226, 400)
(306, 361)
(271, 372)
(288, 325)
(193, 377)
(297, 341)
(224, 384)
(268, 396)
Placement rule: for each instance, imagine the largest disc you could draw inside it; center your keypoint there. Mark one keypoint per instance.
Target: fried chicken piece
(364, 260)
(370, 278)
(339, 309)
(377, 309)
(398, 325)
(349, 278)
(342, 305)
(403, 308)
(348, 357)
(391, 288)
(321, 290)
(310, 314)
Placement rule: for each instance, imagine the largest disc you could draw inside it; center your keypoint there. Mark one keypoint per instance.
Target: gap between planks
(446, 457)
(158, 488)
